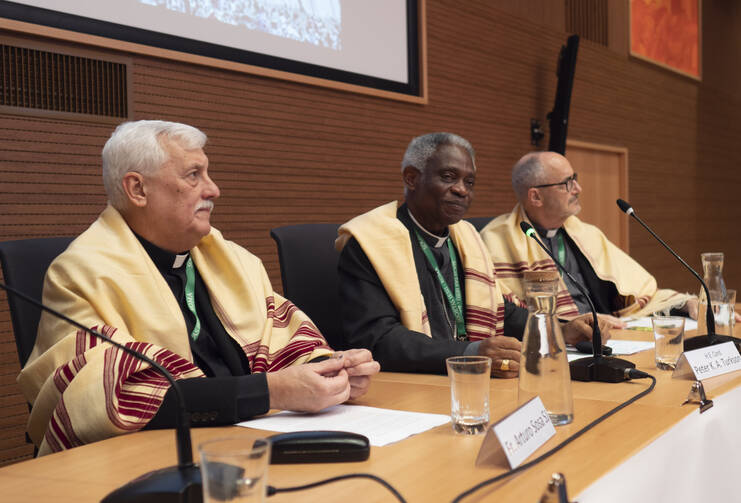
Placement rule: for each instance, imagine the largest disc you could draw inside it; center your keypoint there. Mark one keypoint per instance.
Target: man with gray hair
(154, 275)
(416, 282)
(548, 192)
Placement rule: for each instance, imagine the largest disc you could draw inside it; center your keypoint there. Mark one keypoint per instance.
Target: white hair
(136, 146)
(423, 147)
(527, 172)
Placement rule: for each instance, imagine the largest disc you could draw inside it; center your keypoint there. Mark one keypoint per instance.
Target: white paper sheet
(619, 347)
(644, 323)
(381, 426)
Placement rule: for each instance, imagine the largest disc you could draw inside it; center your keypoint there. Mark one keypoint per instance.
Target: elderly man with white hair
(417, 283)
(153, 274)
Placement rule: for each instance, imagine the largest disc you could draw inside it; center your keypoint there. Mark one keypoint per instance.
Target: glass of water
(669, 337)
(469, 393)
(234, 469)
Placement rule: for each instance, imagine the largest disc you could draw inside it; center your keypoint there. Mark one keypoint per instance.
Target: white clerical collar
(179, 260)
(440, 240)
(547, 233)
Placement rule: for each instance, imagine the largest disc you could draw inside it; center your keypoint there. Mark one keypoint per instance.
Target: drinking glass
(469, 393)
(669, 337)
(234, 469)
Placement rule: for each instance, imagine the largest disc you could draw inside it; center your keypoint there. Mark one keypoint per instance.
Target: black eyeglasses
(569, 183)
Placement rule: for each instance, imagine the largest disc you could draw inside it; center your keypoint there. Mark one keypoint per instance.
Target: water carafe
(544, 368)
(712, 266)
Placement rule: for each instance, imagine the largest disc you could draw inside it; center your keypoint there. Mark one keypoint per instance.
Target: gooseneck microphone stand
(699, 341)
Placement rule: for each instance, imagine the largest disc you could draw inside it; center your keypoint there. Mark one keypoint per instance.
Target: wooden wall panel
(550, 13)
(287, 153)
(603, 178)
(588, 18)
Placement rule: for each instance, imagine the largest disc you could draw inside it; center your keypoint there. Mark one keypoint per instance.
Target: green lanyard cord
(190, 296)
(455, 301)
(561, 252)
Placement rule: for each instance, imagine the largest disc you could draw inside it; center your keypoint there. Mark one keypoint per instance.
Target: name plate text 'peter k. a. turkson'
(708, 362)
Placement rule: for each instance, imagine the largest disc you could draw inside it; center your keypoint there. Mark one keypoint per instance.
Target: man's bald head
(530, 171)
(548, 206)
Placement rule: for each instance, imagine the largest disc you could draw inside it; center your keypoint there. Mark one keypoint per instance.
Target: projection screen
(373, 44)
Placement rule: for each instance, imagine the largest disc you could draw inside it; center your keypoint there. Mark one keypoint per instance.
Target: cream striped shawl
(83, 390)
(514, 253)
(385, 240)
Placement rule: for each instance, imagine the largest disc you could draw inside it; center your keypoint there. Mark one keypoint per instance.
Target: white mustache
(205, 205)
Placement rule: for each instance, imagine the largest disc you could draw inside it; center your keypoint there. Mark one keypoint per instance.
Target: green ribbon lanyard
(561, 252)
(455, 302)
(190, 296)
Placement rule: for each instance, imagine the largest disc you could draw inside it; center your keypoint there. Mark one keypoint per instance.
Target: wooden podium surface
(434, 466)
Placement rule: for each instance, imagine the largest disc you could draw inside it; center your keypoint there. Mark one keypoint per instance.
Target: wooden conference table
(434, 466)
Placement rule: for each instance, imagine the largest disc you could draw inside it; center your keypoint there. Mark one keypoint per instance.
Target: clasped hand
(312, 387)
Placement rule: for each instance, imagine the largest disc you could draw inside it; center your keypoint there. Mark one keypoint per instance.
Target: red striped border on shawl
(122, 395)
(286, 356)
(255, 352)
(60, 434)
(259, 356)
(479, 276)
(263, 361)
(281, 314)
(565, 305)
(63, 376)
(122, 372)
(483, 324)
(144, 405)
(516, 269)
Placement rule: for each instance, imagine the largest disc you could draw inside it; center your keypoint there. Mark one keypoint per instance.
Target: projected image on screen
(318, 22)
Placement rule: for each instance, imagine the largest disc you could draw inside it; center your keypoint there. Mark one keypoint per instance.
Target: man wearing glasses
(547, 191)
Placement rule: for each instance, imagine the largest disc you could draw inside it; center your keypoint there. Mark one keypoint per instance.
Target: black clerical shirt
(230, 393)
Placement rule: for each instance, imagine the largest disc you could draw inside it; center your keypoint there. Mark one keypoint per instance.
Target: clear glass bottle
(544, 368)
(712, 266)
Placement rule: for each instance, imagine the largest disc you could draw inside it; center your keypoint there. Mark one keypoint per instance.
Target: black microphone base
(600, 368)
(703, 341)
(173, 484)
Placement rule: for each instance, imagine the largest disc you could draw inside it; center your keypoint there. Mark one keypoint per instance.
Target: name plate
(518, 435)
(708, 362)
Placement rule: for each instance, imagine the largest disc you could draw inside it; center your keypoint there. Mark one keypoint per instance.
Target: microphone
(596, 367)
(181, 483)
(700, 341)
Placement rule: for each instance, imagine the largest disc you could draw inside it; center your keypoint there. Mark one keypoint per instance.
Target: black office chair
(24, 263)
(308, 271)
(479, 222)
